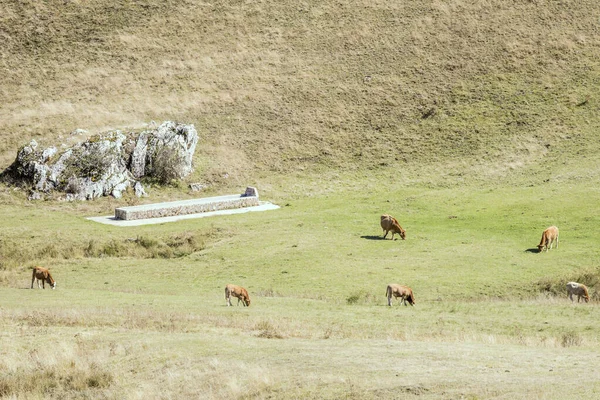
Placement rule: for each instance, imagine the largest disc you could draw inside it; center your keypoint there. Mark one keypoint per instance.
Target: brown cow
(43, 275)
(578, 289)
(389, 223)
(239, 292)
(404, 292)
(549, 236)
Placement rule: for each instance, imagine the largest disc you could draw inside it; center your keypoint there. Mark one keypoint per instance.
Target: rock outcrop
(165, 153)
(106, 164)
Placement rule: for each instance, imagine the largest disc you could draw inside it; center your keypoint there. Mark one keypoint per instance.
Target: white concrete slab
(111, 220)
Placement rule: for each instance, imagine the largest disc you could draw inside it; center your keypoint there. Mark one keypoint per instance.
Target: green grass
(467, 256)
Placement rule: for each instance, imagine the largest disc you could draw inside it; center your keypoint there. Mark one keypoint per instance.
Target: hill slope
(473, 122)
(479, 87)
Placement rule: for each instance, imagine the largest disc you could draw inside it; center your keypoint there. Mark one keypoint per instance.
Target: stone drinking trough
(192, 206)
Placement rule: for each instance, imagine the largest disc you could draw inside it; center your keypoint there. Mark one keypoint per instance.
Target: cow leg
(386, 232)
(389, 300)
(571, 297)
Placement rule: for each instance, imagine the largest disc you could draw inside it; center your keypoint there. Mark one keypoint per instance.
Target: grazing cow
(574, 288)
(404, 292)
(239, 292)
(43, 275)
(549, 236)
(389, 223)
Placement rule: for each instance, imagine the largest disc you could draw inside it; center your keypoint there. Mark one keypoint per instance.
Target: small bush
(166, 165)
(88, 163)
(360, 296)
(49, 251)
(267, 330)
(353, 298)
(91, 249)
(99, 379)
(146, 242)
(114, 248)
(165, 252)
(184, 239)
(571, 338)
(185, 243)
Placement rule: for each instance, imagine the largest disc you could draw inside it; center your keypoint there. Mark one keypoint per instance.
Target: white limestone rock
(106, 164)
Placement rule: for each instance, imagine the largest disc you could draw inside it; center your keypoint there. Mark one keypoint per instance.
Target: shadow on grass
(370, 237)
(533, 250)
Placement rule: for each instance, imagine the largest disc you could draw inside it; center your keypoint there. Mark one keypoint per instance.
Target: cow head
(586, 295)
(541, 247)
(247, 301)
(51, 281)
(402, 233)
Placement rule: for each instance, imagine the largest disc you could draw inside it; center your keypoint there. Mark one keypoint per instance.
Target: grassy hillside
(479, 87)
(473, 122)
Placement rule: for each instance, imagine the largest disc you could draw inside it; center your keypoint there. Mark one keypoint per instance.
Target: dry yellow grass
(277, 88)
(69, 354)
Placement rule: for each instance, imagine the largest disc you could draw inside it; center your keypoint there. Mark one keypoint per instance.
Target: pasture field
(475, 123)
(144, 324)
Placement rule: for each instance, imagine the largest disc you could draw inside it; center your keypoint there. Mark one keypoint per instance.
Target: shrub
(360, 296)
(165, 166)
(48, 251)
(267, 330)
(88, 163)
(146, 242)
(91, 249)
(570, 338)
(114, 248)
